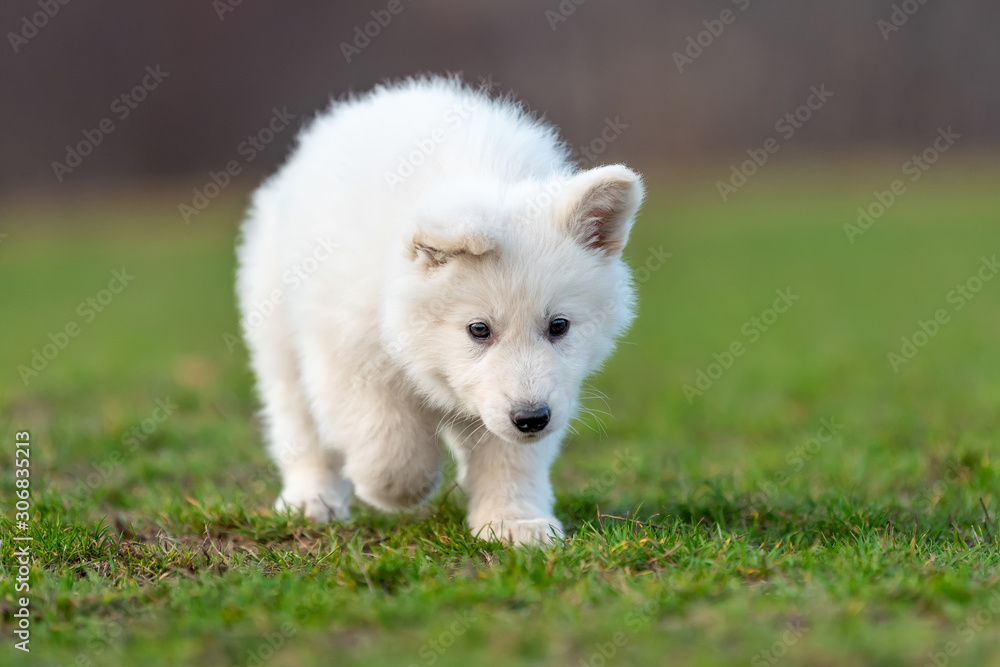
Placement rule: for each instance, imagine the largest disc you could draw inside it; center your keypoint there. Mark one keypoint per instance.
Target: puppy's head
(509, 297)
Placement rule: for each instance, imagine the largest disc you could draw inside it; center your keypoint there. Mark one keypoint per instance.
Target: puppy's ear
(434, 244)
(601, 206)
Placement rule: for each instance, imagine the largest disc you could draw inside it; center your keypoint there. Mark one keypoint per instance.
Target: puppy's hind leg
(311, 475)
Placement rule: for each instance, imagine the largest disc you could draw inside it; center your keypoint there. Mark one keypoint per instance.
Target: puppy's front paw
(516, 532)
(316, 507)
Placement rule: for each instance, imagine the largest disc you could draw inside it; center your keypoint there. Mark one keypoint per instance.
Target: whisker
(600, 430)
(483, 426)
(485, 433)
(462, 432)
(594, 390)
(446, 416)
(468, 437)
(593, 413)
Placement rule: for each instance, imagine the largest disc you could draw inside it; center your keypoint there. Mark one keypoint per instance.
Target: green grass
(744, 542)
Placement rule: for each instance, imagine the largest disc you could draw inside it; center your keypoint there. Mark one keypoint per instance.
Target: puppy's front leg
(510, 495)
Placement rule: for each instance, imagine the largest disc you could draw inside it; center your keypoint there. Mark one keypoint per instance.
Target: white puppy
(430, 263)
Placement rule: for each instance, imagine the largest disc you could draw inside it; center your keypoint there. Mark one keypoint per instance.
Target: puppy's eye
(558, 327)
(479, 330)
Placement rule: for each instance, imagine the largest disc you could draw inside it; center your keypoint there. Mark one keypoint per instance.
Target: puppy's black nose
(531, 419)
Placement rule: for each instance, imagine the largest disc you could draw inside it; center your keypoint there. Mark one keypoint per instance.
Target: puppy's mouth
(515, 437)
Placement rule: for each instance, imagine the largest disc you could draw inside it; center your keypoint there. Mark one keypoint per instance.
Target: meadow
(764, 484)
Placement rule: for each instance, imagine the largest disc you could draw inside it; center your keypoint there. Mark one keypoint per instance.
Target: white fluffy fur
(357, 287)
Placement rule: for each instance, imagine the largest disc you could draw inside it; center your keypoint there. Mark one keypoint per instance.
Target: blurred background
(844, 153)
(898, 70)
(827, 147)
